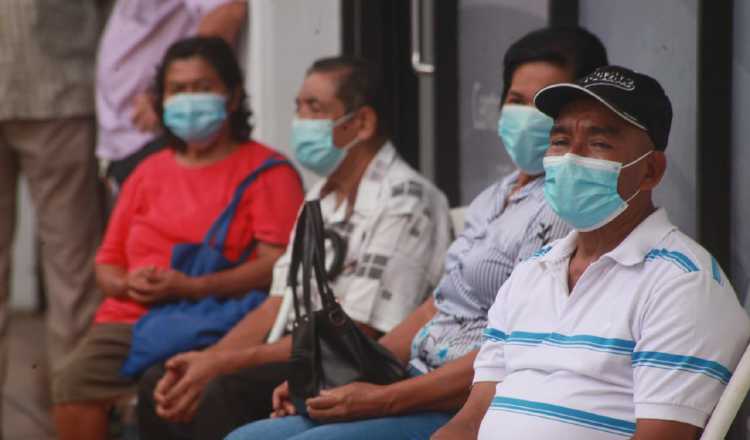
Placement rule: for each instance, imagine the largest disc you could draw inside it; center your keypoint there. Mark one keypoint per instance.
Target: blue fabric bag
(185, 325)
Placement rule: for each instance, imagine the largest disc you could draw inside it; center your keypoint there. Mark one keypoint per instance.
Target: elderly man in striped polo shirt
(626, 328)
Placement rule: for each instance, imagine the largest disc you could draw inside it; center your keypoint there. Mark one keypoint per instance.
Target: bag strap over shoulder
(217, 234)
(319, 263)
(308, 253)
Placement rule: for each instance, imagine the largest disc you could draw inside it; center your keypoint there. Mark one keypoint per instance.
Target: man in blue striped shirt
(626, 328)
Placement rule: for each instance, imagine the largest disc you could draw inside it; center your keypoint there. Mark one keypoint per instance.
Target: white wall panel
(486, 29)
(286, 36)
(660, 38)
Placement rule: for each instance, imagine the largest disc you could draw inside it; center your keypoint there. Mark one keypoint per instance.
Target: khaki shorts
(92, 371)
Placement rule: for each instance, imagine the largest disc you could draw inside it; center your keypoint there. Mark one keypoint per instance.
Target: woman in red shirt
(173, 197)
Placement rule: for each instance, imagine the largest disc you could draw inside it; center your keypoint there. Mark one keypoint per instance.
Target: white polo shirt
(397, 234)
(651, 330)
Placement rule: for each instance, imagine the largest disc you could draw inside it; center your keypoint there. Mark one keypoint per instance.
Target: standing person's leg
(8, 188)
(57, 157)
(228, 402)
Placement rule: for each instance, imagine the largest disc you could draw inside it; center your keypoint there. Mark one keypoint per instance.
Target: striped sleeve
(489, 365)
(692, 336)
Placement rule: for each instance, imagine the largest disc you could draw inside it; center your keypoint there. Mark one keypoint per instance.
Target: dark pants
(119, 170)
(228, 402)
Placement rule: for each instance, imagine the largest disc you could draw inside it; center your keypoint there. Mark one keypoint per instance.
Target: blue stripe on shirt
(564, 414)
(715, 271)
(678, 258)
(544, 250)
(683, 363)
(495, 335)
(596, 343)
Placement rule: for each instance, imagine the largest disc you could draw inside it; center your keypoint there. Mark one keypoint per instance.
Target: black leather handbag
(328, 349)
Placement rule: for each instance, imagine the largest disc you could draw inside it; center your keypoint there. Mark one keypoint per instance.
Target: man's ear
(656, 166)
(369, 123)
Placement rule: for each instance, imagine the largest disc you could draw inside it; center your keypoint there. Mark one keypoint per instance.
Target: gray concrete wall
(486, 29)
(660, 38)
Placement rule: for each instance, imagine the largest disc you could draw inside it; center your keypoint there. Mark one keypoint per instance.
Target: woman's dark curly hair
(219, 55)
(570, 47)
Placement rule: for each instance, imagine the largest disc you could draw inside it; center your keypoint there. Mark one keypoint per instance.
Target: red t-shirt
(164, 203)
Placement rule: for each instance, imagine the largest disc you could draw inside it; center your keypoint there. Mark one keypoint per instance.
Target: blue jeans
(407, 427)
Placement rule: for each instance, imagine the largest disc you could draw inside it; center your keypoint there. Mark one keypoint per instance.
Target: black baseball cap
(635, 97)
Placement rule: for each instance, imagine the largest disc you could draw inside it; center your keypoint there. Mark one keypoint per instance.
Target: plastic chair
(457, 219)
(730, 402)
(281, 318)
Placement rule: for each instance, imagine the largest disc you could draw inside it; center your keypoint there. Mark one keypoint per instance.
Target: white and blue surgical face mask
(312, 144)
(524, 131)
(196, 118)
(583, 190)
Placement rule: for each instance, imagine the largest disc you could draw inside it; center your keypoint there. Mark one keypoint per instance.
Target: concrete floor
(25, 397)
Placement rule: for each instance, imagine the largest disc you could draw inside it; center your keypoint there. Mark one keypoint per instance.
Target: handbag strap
(298, 248)
(308, 253)
(217, 234)
(319, 263)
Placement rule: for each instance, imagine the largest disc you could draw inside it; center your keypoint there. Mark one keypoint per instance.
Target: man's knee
(216, 392)
(65, 384)
(91, 372)
(147, 383)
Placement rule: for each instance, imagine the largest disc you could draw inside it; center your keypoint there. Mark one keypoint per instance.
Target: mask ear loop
(343, 120)
(633, 163)
(637, 160)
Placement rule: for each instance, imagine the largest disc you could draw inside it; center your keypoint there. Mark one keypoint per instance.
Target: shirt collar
(642, 239)
(369, 187)
(506, 186)
(522, 192)
(631, 251)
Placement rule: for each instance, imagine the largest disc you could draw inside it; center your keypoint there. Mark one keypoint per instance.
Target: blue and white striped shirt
(651, 330)
(497, 236)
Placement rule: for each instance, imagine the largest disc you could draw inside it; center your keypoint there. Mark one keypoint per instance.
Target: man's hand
(454, 431)
(151, 285)
(654, 429)
(356, 400)
(282, 406)
(179, 392)
(144, 115)
(466, 423)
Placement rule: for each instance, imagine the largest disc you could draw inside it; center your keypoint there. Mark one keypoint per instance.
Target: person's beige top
(47, 55)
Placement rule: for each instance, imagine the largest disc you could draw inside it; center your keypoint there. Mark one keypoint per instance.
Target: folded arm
(398, 340)
(254, 274)
(465, 424)
(652, 429)
(443, 389)
(224, 21)
(157, 284)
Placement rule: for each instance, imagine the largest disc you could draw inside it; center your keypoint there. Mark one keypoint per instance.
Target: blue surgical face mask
(583, 190)
(312, 144)
(524, 131)
(196, 118)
